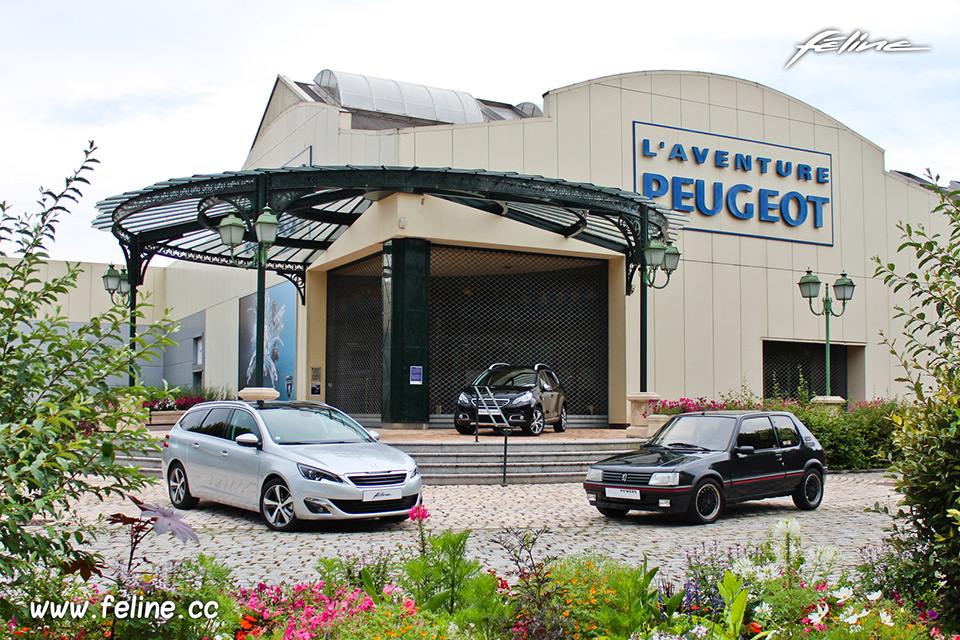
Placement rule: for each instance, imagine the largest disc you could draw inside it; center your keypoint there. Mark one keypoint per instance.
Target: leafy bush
(858, 438)
(928, 472)
(61, 425)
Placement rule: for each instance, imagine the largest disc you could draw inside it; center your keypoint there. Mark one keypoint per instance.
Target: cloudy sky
(170, 89)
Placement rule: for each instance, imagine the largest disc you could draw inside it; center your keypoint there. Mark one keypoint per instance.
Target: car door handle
(195, 445)
(224, 454)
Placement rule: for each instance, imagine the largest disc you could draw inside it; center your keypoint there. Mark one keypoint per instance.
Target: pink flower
(419, 513)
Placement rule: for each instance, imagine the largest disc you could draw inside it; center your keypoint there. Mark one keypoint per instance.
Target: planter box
(164, 418)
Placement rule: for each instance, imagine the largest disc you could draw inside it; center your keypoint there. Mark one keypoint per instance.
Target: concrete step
(469, 462)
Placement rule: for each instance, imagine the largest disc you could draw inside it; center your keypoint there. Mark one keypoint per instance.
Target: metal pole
(827, 311)
(133, 323)
(643, 331)
(261, 304)
(261, 283)
(506, 432)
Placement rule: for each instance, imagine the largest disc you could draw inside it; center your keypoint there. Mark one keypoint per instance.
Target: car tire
(535, 427)
(561, 424)
(178, 488)
(809, 494)
(466, 429)
(706, 502)
(276, 506)
(613, 512)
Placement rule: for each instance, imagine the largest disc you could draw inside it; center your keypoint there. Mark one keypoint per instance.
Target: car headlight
(312, 473)
(524, 398)
(463, 399)
(662, 479)
(594, 475)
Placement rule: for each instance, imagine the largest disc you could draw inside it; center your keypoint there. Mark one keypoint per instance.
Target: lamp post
(118, 285)
(810, 289)
(661, 257)
(232, 231)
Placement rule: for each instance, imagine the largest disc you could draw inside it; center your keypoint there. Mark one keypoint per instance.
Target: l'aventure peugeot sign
(736, 186)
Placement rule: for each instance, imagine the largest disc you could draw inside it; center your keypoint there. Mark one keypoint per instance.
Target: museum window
(797, 370)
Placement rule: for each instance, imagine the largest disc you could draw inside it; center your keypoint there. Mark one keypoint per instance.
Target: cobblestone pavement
(241, 540)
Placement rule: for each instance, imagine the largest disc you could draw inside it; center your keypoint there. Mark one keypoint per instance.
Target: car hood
(658, 457)
(350, 457)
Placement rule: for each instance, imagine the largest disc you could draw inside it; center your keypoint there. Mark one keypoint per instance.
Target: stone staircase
(469, 462)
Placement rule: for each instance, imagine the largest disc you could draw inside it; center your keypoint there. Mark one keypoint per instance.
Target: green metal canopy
(315, 205)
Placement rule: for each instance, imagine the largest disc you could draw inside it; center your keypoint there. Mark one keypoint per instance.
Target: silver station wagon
(291, 461)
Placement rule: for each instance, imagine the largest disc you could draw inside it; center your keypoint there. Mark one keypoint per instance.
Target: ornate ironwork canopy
(315, 205)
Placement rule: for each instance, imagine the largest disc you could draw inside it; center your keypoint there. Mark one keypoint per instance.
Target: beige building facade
(769, 185)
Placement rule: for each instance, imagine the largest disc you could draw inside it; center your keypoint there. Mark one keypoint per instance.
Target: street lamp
(117, 284)
(232, 230)
(658, 256)
(810, 289)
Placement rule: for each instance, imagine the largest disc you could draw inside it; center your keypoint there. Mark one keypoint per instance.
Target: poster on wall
(279, 339)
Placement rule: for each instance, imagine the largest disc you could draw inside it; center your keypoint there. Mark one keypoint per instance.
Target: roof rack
(539, 366)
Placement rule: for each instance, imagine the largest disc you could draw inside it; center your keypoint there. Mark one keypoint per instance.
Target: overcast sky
(170, 89)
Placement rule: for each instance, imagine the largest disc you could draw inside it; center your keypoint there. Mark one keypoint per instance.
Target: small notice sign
(416, 375)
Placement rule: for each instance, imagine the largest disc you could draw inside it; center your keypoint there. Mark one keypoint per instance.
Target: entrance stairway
(460, 460)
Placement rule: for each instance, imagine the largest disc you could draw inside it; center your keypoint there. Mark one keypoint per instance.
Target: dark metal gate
(522, 308)
(355, 337)
(796, 369)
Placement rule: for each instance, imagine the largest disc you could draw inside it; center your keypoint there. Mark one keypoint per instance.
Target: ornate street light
(843, 288)
(232, 231)
(117, 284)
(658, 256)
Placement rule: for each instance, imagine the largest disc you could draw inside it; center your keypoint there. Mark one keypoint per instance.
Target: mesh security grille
(498, 306)
(791, 369)
(355, 336)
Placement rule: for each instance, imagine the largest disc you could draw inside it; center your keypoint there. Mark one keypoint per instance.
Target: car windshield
(312, 425)
(507, 377)
(697, 432)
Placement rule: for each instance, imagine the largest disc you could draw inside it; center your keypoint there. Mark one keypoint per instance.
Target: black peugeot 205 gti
(698, 463)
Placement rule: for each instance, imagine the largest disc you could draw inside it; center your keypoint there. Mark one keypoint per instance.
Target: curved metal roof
(355, 91)
(315, 205)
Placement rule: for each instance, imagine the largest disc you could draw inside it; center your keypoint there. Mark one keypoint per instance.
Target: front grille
(626, 478)
(501, 402)
(379, 506)
(378, 479)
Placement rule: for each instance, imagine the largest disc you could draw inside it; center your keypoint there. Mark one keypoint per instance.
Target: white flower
(764, 610)
(767, 573)
(873, 597)
(699, 631)
(886, 618)
(744, 567)
(788, 527)
(852, 618)
(842, 594)
(817, 617)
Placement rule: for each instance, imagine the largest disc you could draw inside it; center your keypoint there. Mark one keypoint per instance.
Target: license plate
(375, 495)
(486, 412)
(617, 492)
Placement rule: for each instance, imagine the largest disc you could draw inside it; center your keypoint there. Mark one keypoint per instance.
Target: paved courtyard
(257, 554)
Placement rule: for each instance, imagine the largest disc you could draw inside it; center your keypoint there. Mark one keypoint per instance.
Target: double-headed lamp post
(657, 256)
(118, 286)
(232, 231)
(810, 289)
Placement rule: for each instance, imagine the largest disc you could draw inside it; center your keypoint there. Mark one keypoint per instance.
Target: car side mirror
(374, 434)
(744, 450)
(248, 440)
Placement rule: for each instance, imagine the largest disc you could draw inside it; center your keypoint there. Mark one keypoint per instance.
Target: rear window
(193, 419)
(786, 431)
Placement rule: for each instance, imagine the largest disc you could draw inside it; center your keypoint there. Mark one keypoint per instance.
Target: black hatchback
(527, 398)
(699, 462)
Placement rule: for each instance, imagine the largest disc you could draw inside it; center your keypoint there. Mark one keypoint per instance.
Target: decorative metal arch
(315, 205)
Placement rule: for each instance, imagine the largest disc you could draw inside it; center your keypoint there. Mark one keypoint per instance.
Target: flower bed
(431, 590)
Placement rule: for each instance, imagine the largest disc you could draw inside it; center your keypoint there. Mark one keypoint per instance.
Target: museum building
(425, 234)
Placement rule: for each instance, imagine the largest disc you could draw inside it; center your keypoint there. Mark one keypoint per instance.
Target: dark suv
(528, 398)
